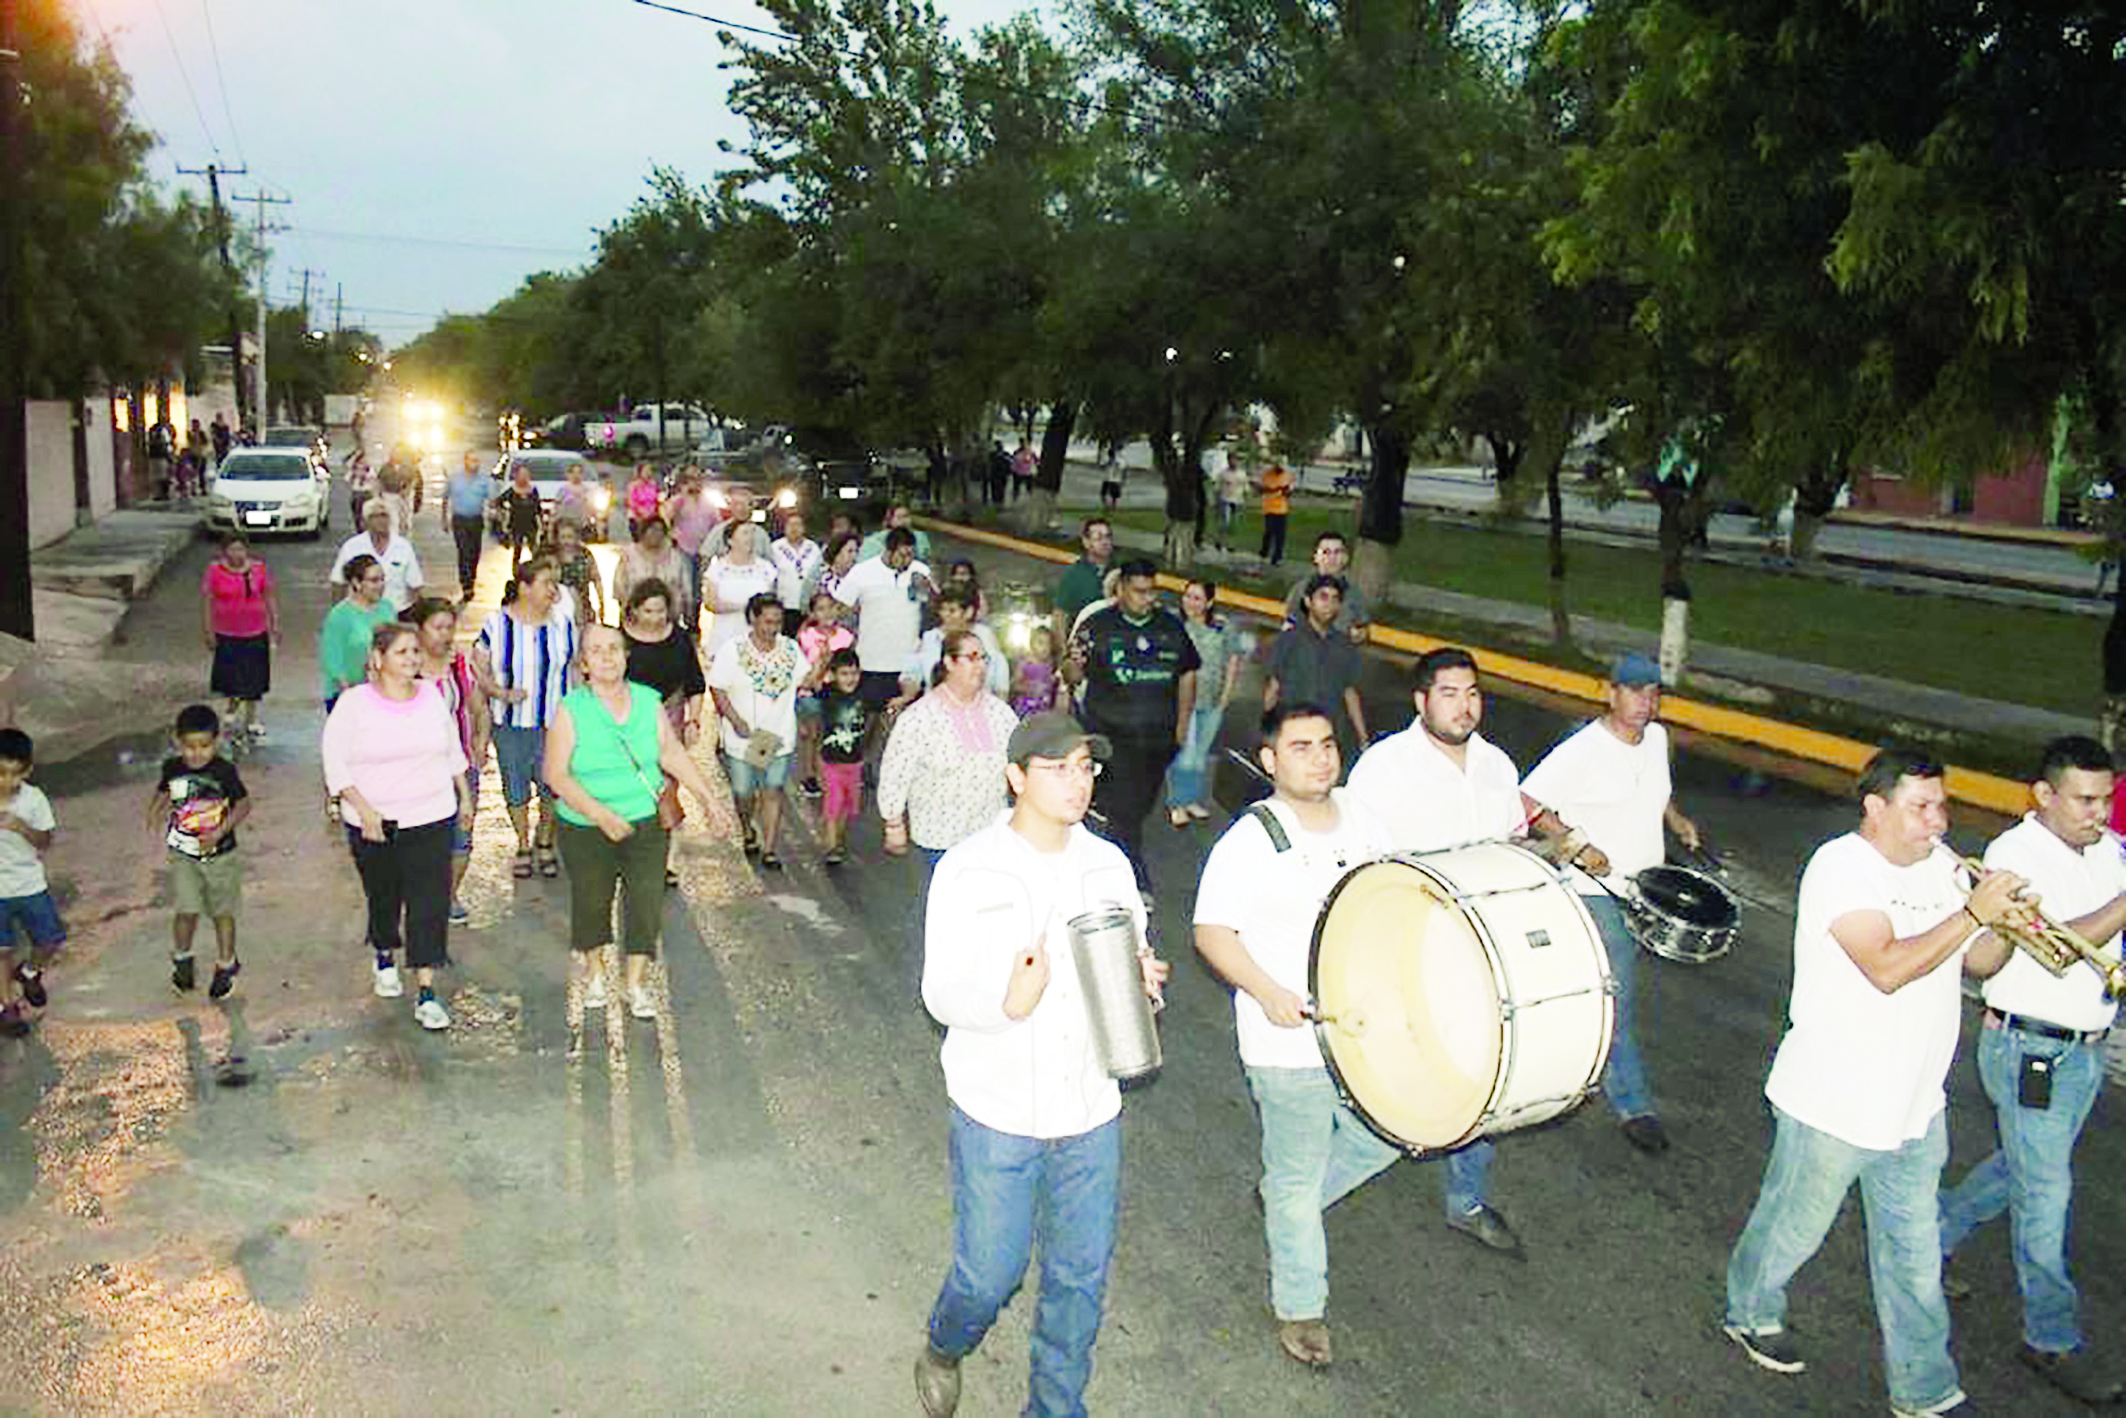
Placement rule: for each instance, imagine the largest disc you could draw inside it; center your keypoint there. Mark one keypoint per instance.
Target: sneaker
(1953, 1285)
(1776, 1351)
(181, 972)
(2076, 1373)
(641, 1003)
(258, 733)
(458, 914)
(594, 995)
(430, 1014)
(1958, 1406)
(224, 979)
(811, 788)
(32, 986)
(937, 1384)
(387, 981)
(1487, 1228)
(1306, 1341)
(835, 857)
(1646, 1133)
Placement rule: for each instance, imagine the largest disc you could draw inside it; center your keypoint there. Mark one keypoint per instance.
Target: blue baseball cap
(1633, 670)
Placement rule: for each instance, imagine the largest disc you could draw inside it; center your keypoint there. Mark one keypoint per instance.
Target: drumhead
(1688, 896)
(1413, 1031)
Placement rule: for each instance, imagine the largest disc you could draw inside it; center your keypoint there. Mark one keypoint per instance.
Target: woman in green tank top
(606, 753)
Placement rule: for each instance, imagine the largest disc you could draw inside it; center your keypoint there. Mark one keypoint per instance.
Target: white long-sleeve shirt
(991, 897)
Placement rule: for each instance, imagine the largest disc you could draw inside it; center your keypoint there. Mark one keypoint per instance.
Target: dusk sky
(436, 151)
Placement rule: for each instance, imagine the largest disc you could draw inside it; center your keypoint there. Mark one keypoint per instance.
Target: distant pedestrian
(1024, 462)
(797, 563)
(1219, 649)
(218, 434)
(996, 472)
(396, 768)
(198, 453)
(1111, 476)
(389, 549)
(643, 498)
(737, 512)
(1275, 486)
(607, 756)
(465, 499)
(1079, 585)
(344, 638)
(523, 660)
(1232, 484)
(692, 517)
(941, 779)
(450, 670)
(518, 515)
(1315, 663)
(162, 441)
(844, 725)
(583, 589)
(197, 805)
(755, 680)
(240, 621)
(26, 910)
(652, 557)
(361, 484)
(574, 502)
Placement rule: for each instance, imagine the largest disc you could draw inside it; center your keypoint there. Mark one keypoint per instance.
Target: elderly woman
(653, 557)
(731, 581)
(522, 661)
(395, 764)
(942, 776)
(606, 754)
(343, 640)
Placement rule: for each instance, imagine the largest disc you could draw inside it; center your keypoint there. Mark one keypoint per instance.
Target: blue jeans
(1805, 1182)
(1188, 776)
(1624, 1076)
(1007, 1192)
(2031, 1175)
(1315, 1151)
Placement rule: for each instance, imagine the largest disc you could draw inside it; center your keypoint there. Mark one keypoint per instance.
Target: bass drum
(1459, 994)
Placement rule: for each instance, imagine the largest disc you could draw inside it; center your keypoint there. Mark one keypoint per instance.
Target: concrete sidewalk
(83, 582)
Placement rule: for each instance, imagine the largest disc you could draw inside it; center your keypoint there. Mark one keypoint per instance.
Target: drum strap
(1262, 814)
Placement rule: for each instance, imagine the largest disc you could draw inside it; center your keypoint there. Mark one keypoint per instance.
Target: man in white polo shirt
(1856, 1087)
(2041, 1058)
(402, 569)
(1262, 890)
(1036, 1124)
(889, 592)
(1610, 780)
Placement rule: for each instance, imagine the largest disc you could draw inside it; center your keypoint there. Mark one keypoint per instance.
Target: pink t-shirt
(236, 600)
(818, 643)
(642, 498)
(404, 755)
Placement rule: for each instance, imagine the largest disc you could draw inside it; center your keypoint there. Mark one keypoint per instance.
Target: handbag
(670, 810)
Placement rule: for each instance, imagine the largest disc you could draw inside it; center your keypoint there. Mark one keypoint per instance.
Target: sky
(435, 152)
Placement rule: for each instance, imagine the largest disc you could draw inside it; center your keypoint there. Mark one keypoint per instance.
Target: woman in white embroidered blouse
(942, 777)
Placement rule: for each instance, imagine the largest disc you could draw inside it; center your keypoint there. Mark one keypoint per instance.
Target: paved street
(301, 1203)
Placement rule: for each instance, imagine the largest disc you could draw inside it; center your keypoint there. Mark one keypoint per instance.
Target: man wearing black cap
(1610, 782)
(1138, 667)
(1035, 1122)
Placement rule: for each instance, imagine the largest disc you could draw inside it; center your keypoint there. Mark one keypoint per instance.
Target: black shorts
(877, 687)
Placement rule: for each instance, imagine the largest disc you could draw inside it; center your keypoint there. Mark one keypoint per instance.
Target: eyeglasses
(1089, 768)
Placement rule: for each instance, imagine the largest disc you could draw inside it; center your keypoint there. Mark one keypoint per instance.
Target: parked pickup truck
(641, 433)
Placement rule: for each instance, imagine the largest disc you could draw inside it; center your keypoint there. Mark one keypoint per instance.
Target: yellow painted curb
(1966, 785)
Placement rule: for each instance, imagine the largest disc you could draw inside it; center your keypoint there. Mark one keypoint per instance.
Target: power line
(182, 73)
(226, 112)
(391, 238)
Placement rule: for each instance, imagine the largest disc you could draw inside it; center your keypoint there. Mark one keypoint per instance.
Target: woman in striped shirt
(522, 660)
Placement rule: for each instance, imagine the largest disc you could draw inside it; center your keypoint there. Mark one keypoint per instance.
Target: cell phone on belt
(2034, 1089)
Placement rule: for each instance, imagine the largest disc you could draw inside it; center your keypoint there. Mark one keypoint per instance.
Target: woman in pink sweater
(396, 765)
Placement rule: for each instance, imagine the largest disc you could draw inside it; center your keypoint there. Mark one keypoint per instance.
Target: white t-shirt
(1273, 899)
(1613, 791)
(1425, 801)
(2072, 883)
(402, 569)
(762, 687)
(889, 607)
(1864, 1066)
(726, 589)
(21, 869)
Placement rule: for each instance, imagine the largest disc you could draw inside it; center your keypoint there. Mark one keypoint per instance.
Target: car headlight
(717, 499)
(602, 499)
(786, 498)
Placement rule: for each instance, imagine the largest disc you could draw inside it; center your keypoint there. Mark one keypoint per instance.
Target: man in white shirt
(956, 611)
(2041, 1058)
(889, 592)
(1262, 890)
(402, 569)
(1856, 1086)
(1610, 782)
(1036, 1125)
(1438, 784)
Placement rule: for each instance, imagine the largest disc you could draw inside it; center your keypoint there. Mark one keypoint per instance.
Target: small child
(845, 720)
(198, 804)
(26, 827)
(1033, 683)
(819, 637)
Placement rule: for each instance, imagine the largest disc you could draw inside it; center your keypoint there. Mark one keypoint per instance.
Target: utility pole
(339, 292)
(214, 173)
(262, 201)
(17, 612)
(306, 273)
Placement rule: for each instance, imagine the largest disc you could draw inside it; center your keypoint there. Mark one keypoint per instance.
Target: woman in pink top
(643, 499)
(240, 621)
(396, 765)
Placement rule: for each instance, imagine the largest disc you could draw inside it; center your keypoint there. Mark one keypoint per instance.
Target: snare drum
(1461, 993)
(1683, 915)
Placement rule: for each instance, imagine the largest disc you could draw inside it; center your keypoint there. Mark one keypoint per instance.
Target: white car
(259, 490)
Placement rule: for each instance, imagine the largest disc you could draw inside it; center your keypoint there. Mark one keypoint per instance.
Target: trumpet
(2056, 947)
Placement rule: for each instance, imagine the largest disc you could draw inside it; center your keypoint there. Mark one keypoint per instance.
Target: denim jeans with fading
(1188, 777)
(1805, 1183)
(1007, 1193)
(1624, 1076)
(2031, 1175)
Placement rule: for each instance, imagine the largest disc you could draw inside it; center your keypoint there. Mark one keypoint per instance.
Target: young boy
(198, 804)
(26, 828)
(844, 720)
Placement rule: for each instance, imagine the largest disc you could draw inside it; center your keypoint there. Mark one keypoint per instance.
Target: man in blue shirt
(465, 500)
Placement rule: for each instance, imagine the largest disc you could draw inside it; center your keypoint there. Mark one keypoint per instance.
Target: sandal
(549, 864)
(770, 862)
(671, 879)
(521, 869)
(835, 857)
